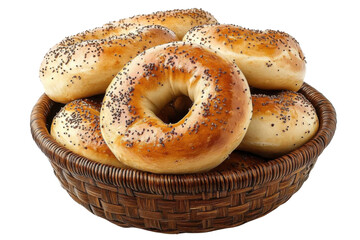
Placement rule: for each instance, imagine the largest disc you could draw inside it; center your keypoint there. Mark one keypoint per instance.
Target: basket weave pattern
(183, 203)
(176, 212)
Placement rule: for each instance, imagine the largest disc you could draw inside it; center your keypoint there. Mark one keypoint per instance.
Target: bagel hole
(175, 110)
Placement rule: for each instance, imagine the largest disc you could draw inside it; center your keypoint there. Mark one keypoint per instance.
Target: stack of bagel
(177, 92)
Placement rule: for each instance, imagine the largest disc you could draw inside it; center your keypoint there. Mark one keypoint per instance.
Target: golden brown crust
(269, 59)
(99, 33)
(213, 128)
(281, 122)
(76, 127)
(179, 21)
(83, 65)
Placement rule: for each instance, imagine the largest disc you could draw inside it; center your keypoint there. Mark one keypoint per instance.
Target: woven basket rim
(226, 180)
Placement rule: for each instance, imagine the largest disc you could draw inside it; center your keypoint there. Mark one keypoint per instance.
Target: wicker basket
(183, 203)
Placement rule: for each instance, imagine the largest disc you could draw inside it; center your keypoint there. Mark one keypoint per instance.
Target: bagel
(209, 132)
(179, 21)
(83, 65)
(281, 122)
(76, 127)
(269, 59)
(98, 33)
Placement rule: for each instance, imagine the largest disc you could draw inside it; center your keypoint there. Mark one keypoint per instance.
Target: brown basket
(182, 203)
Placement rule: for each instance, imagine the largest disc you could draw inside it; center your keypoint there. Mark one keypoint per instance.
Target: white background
(33, 204)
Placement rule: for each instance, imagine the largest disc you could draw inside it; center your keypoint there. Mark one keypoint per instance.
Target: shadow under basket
(168, 203)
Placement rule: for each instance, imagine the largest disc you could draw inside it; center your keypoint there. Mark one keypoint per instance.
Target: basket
(183, 203)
